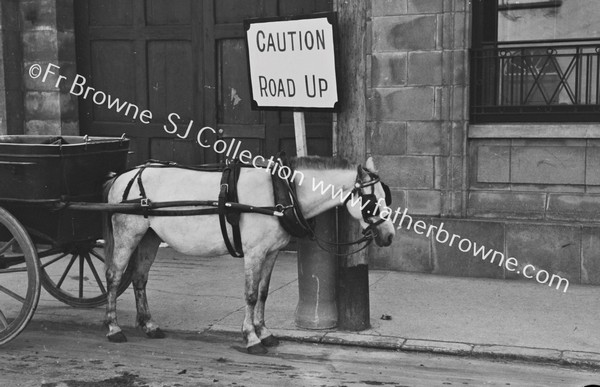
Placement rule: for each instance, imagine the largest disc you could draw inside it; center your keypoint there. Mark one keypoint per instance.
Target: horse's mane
(320, 163)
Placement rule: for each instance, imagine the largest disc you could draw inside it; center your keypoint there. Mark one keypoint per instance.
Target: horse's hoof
(257, 349)
(156, 334)
(118, 337)
(270, 341)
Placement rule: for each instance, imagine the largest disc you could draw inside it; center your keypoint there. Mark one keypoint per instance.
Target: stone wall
(417, 112)
(36, 32)
(544, 178)
(529, 191)
(417, 101)
(48, 36)
(569, 250)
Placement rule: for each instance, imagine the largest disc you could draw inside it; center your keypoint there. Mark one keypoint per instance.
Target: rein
(368, 236)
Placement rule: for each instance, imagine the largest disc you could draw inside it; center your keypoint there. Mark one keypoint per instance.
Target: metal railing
(536, 81)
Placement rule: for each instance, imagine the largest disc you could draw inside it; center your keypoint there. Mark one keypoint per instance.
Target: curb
(588, 360)
(499, 352)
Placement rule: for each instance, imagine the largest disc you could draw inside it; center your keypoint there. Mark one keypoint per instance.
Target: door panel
(234, 88)
(168, 12)
(293, 7)
(234, 11)
(103, 73)
(110, 13)
(170, 89)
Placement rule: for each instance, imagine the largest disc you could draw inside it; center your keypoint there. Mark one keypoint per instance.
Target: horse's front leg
(266, 337)
(252, 269)
(143, 258)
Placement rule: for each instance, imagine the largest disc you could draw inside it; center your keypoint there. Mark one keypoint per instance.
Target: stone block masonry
(562, 249)
(36, 31)
(545, 179)
(416, 101)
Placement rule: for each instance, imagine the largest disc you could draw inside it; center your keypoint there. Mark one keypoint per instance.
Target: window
(535, 61)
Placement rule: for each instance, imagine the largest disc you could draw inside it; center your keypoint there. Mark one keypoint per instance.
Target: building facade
(482, 115)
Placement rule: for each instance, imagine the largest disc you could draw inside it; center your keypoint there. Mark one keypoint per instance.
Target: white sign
(292, 63)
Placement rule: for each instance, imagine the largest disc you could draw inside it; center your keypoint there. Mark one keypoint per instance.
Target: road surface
(54, 355)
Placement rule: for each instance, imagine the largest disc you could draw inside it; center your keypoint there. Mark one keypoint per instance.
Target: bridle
(368, 211)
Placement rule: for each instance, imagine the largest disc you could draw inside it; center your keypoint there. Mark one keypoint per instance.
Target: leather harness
(287, 208)
(231, 174)
(226, 207)
(284, 191)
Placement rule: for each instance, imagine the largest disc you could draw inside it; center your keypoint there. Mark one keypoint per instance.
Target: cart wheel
(75, 274)
(20, 282)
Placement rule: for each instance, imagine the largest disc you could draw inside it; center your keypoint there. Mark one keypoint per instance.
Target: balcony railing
(536, 81)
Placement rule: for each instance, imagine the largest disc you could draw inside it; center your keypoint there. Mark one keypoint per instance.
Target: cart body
(38, 172)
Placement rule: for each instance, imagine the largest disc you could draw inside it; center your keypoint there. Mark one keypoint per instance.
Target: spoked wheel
(75, 274)
(19, 277)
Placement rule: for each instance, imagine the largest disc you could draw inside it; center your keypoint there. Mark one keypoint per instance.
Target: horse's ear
(370, 165)
(361, 172)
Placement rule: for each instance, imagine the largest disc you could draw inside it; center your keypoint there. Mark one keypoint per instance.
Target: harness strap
(233, 217)
(229, 177)
(143, 198)
(133, 179)
(135, 205)
(284, 191)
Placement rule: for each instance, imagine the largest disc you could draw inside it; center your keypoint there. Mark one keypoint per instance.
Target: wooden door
(186, 57)
(148, 53)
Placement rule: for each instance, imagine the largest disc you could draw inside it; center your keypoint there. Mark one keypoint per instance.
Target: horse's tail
(107, 229)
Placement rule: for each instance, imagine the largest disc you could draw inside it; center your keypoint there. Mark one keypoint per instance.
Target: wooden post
(300, 133)
(353, 273)
(316, 307)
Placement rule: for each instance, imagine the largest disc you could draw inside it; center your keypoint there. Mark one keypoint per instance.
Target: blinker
(388, 194)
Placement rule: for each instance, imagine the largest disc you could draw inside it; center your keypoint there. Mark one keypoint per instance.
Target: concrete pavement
(457, 316)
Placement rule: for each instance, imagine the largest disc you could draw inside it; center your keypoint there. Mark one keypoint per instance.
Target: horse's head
(372, 210)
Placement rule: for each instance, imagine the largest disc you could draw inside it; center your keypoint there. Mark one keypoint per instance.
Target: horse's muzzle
(384, 241)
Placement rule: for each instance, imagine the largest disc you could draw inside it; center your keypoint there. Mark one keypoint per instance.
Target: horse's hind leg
(143, 258)
(266, 338)
(120, 244)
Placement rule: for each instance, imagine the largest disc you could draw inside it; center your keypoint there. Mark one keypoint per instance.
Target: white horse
(137, 238)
